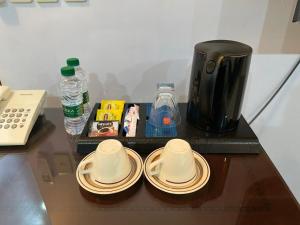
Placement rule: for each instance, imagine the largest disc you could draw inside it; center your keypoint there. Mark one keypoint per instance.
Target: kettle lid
(223, 47)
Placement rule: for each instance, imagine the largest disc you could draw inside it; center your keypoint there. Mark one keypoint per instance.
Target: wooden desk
(38, 186)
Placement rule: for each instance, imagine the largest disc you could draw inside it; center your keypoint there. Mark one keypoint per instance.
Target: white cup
(110, 163)
(176, 164)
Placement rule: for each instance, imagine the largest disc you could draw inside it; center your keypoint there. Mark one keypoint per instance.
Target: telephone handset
(4, 93)
(18, 112)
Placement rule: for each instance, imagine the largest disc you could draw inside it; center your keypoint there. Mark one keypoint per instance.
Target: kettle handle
(211, 69)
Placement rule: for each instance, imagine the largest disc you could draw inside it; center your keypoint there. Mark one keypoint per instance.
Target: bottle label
(86, 97)
(73, 111)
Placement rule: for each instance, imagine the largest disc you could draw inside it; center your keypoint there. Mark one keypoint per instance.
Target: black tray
(242, 140)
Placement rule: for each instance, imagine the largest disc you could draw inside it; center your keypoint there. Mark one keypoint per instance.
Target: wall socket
(46, 1)
(21, 1)
(39, 1)
(75, 0)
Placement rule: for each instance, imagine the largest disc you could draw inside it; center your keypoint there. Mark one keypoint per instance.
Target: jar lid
(73, 62)
(67, 71)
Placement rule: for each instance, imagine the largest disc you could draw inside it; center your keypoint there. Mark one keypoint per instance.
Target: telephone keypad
(13, 118)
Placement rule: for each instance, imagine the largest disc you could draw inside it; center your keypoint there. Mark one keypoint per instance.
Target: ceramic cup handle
(153, 165)
(87, 171)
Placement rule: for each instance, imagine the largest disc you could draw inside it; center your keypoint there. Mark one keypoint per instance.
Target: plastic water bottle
(71, 99)
(83, 77)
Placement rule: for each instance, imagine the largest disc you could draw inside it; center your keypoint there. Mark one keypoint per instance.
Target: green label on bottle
(73, 111)
(86, 97)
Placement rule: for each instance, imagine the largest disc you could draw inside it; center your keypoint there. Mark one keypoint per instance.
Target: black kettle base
(206, 128)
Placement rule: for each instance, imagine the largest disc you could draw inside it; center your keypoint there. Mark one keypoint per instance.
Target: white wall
(128, 46)
(279, 34)
(125, 45)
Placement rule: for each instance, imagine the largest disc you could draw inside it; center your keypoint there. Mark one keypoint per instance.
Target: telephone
(18, 112)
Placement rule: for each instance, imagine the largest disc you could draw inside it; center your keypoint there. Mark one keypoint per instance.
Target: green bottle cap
(73, 62)
(67, 71)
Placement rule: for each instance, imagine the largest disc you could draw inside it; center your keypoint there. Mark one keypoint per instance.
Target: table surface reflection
(38, 186)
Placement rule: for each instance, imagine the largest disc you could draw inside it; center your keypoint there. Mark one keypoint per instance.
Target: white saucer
(200, 179)
(104, 189)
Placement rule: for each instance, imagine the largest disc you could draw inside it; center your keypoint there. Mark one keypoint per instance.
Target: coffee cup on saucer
(110, 163)
(175, 165)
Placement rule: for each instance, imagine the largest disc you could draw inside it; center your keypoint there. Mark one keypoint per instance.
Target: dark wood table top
(38, 186)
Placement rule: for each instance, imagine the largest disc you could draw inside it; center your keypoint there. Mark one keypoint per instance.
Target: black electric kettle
(217, 85)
